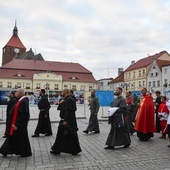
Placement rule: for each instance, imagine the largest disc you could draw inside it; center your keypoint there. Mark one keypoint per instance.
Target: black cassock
(10, 106)
(67, 139)
(44, 124)
(19, 143)
(118, 133)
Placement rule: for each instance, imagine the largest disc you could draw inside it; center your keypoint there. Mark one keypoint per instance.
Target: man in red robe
(145, 125)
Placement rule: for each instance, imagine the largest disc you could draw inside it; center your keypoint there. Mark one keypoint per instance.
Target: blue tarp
(105, 97)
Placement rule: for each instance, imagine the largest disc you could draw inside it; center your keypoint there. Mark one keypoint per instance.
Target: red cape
(145, 121)
(15, 114)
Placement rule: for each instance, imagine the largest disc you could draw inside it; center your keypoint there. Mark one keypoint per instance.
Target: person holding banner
(17, 141)
(118, 135)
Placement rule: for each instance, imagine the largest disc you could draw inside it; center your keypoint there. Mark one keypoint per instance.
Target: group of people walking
(16, 133)
(67, 141)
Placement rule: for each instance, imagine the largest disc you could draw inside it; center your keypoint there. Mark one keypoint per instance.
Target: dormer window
(73, 78)
(19, 75)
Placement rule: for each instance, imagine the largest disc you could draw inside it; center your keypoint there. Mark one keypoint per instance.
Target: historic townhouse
(135, 76)
(155, 80)
(166, 79)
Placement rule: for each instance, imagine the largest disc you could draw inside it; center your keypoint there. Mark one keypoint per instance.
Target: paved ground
(153, 154)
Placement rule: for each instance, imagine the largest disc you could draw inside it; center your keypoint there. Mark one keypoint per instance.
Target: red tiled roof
(119, 78)
(45, 66)
(28, 68)
(161, 63)
(15, 42)
(144, 61)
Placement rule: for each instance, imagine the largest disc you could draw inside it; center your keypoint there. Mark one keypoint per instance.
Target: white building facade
(166, 80)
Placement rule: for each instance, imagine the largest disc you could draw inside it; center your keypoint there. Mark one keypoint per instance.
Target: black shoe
(74, 153)
(145, 139)
(86, 131)
(4, 154)
(48, 134)
(168, 146)
(23, 156)
(109, 147)
(55, 153)
(4, 136)
(126, 146)
(96, 132)
(35, 136)
(132, 132)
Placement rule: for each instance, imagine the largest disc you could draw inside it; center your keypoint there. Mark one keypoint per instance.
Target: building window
(158, 83)
(165, 82)
(139, 83)
(151, 74)
(126, 75)
(38, 86)
(139, 73)
(74, 87)
(129, 75)
(47, 86)
(65, 86)
(27, 85)
(144, 72)
(134, 74)
(153, 83)
(9, 85)
(149, 84)
(143, 83)
(1, 84)
(90, 88)
(82, 88)
(56, 86)
(165, 71)
(156, 74)
(19, 85)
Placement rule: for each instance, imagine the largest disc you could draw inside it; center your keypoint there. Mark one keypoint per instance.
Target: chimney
(132, 62)
(120, 71)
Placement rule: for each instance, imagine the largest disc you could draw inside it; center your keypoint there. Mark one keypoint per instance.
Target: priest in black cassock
(67, 139)
(17, 141)
(44, 124)
(10, 105)
(118, 135)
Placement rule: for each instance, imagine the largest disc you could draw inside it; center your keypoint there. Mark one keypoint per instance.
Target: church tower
(13, 48)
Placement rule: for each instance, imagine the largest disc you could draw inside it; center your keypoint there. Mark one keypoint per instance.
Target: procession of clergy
(121, 117)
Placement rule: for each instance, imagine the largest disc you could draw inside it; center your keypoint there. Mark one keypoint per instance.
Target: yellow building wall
(51, 79)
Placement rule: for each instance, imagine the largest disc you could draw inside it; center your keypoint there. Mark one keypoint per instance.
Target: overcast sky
(101, 35)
